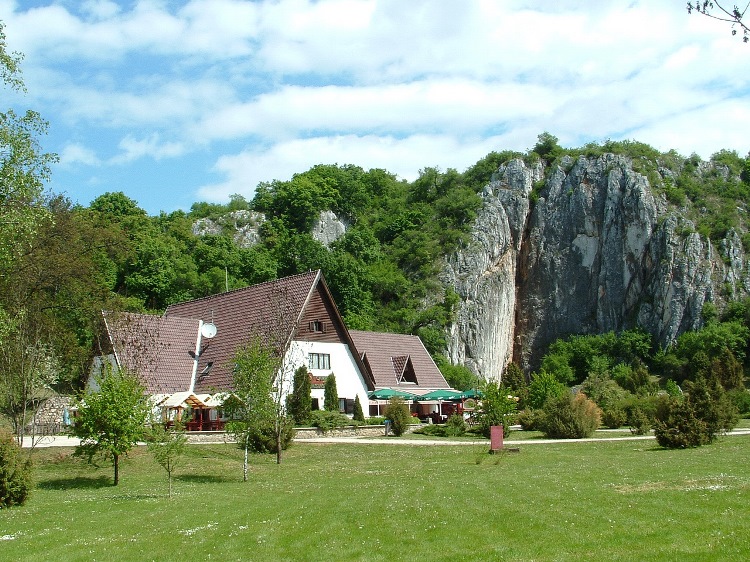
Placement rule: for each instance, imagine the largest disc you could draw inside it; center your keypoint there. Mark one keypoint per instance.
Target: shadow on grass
(76, 483)
(202, 478)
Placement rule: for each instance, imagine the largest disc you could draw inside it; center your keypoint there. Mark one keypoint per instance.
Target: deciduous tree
(167, 448)
(111, 420)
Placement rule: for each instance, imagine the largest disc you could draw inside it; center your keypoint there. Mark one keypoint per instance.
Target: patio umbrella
(388, 393)
(473, 393)
(442, 394)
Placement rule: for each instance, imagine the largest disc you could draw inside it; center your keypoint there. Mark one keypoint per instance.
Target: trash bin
(387, 424)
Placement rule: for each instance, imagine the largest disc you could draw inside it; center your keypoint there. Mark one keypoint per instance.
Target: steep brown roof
(388, 354)
(162, 348)
(158, 349)
(269, 310)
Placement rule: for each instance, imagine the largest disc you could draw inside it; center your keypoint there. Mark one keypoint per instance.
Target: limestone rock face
(484, 274)
(598, 251)
(328, 228)
(243, 225)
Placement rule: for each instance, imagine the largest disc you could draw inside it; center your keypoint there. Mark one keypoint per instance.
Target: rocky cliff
(587, 247)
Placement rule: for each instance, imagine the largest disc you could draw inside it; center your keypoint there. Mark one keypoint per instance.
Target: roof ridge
(313, 272)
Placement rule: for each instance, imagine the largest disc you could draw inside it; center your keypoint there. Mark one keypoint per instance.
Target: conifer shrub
(614, 417)
(455, 426)
(696, 419)
(15, 473)
(570, 417)
(638, 421)
(263, 439)
(299, 402)
(679, 426)
(326, 420)
(359, 415)
(398, 414)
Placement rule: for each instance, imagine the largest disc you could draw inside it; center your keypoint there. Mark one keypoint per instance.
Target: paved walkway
(64, 441)
(506, 442)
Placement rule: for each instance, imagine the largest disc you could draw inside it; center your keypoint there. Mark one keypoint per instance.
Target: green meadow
(602, 500)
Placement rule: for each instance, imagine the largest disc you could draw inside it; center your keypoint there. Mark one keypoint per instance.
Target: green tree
(111, 420)
(359, 415)
(28, 371)
(330, 394)
(547, 147)
(457, 376)
(258, 388)
(300, 400)
(542, 387)
(24, 167)
(167, 448)
(497, 407)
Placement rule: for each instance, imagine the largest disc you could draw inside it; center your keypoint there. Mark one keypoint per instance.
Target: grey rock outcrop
(328, 228)
(243, 225)
(599, 251)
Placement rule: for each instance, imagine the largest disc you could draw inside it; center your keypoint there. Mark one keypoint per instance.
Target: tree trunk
(278, 447)
(244, 466)
(117, 468)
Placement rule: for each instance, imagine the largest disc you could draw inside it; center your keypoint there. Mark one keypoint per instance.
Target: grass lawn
(602, 500)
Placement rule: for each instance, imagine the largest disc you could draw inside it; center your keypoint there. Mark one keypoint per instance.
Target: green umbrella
(388, 393)
(442, 394)
(473, 393)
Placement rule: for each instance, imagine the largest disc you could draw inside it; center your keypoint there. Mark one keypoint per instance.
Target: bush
(375, 420)
(455, 426)
(15, 473)
(263, 440)
(570, 417)
(326, 420)
(638, 420)
(529, 419)
(614, 417)
(433, 430)
(698, 418)
(398, 414)
(679, 426)
(741, 400)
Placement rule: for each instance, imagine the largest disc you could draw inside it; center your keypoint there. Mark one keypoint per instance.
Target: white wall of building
(350, 383)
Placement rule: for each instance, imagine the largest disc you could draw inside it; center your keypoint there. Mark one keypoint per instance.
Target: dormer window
(317, 326)
(404, 370)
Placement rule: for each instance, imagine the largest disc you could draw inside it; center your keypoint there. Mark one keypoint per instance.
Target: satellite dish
(208, 330)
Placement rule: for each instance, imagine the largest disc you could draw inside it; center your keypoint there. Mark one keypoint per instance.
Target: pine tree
(359, 415)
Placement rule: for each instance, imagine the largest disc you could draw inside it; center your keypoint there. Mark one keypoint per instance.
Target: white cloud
(77, 154)
(133, 149)
(403, 157)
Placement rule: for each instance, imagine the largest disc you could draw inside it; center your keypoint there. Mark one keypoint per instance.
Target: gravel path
(64, 441)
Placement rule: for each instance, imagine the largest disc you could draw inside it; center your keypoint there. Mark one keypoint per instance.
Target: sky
(174, 102)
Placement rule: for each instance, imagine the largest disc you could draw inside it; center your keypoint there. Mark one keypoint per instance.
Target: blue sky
(174, 102)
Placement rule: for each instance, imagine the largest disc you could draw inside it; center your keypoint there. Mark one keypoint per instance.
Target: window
(317, 326)
(319, 361)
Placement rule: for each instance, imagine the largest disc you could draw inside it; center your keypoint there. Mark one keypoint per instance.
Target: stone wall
(302, 433)
(49, 417)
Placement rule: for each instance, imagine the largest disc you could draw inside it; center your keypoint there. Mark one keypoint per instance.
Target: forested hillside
(384, 271)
